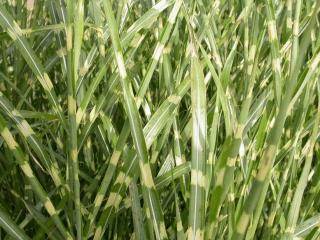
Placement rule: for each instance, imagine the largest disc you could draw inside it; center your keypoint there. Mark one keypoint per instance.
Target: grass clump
(159, 120)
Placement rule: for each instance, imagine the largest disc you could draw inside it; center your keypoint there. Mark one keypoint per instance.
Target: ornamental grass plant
(167, 119)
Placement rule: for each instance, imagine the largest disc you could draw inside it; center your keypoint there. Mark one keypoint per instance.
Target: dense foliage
(175, 119)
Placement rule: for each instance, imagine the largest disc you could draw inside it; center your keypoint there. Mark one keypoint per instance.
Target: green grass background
(170, 119)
